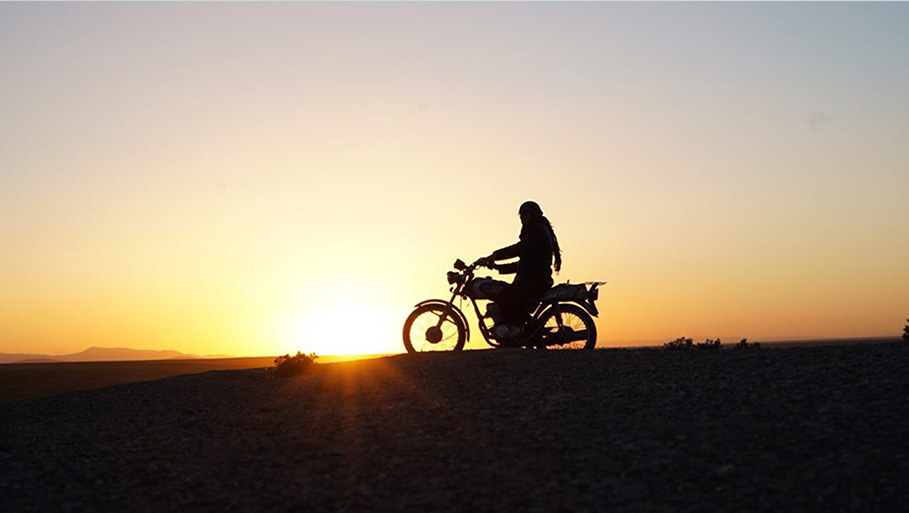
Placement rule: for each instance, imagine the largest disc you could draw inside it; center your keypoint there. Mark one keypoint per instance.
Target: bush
(708, 344)
(744, 344)
(287, 366)
(679, 343)
(906, 331)
(686, 343)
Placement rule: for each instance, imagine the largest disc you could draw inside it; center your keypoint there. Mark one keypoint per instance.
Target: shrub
(679, 343)
(744, 344)
(906, 331)
(287, 366)
(708, 344)
(683, 343)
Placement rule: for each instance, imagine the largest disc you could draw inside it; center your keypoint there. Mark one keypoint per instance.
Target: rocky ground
(796, 429)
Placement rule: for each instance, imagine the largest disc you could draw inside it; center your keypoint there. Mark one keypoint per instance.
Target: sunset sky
(254, 179)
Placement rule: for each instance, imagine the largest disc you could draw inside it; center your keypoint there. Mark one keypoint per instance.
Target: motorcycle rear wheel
(420, 332)
(578, 330)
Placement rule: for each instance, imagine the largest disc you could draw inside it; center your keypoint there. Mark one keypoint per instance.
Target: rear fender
(457, 311)
(590, 306)
(590, 303)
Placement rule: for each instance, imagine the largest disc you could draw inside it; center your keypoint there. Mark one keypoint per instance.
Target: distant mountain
(112, 354)
(102, 354)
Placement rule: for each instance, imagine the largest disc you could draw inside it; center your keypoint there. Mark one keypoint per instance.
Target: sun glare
(344, 329)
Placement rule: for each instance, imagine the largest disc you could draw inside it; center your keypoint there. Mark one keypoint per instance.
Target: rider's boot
(508, 332)
(502, 332)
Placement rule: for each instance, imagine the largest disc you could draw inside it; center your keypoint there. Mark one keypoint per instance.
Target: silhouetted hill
(110, 354)
(102, 354)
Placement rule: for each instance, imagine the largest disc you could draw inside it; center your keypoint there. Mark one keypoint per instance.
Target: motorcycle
(562, 319)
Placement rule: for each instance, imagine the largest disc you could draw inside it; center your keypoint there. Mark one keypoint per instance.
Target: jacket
(534, 250)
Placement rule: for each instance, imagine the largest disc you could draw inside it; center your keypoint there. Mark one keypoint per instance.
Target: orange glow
(299, 178)
(343, 329)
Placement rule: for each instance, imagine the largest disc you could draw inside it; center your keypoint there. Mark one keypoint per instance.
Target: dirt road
(798, 429)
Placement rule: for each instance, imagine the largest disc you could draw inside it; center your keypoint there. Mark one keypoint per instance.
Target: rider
(536, 250)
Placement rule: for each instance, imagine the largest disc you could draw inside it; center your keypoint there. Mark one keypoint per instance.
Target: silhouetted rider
(536, 250)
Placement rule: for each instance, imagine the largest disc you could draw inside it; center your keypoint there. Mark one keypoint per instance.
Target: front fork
(448, 306)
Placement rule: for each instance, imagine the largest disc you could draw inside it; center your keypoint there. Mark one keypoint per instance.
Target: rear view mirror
(460, 265)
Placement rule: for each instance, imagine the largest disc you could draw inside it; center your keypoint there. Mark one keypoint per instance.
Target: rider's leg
(517, 303)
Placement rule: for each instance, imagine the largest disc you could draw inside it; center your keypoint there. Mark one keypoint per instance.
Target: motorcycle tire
(420, 333)
(576, 321)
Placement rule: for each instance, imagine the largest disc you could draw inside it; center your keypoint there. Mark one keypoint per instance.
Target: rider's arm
(529, 238)
(509, 251)
(509, 268)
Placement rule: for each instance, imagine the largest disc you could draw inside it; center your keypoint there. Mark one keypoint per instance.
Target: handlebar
(484, 262)
(480, 262)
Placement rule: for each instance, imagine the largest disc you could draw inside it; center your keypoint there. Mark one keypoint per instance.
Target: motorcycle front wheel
(576, 330)
(423, 333)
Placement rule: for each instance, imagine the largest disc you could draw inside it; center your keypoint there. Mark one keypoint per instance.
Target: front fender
(456, 310)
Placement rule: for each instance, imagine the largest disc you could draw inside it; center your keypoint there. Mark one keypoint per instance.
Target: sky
(257, 179)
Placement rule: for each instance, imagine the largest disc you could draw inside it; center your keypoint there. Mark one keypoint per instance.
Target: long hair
(531, 207)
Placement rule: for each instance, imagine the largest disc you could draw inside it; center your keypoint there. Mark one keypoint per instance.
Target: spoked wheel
(569, 328)
(422, 331)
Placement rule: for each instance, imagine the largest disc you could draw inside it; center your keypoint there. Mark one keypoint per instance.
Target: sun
(344, 329)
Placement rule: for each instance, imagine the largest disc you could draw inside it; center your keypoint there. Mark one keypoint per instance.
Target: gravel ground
(796, 429)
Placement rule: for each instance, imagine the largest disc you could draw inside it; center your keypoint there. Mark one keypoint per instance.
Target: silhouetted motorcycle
(563, 319)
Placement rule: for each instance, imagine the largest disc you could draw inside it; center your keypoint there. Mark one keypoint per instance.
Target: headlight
(454, 277)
